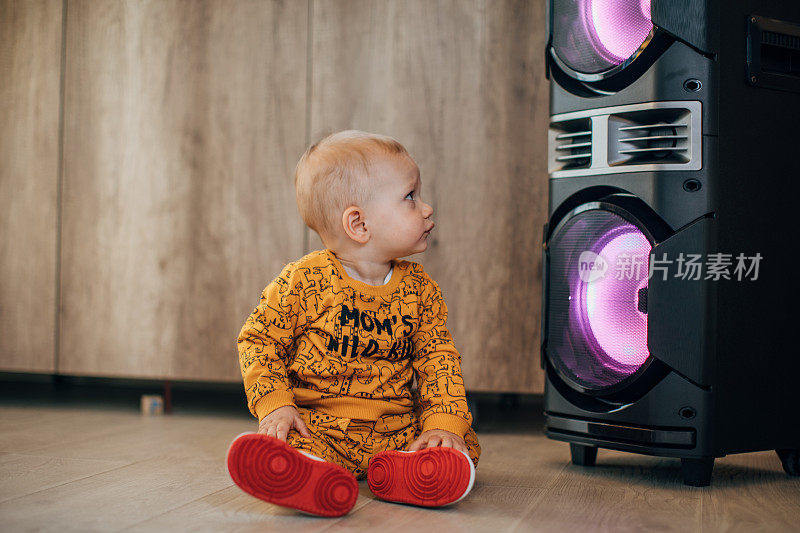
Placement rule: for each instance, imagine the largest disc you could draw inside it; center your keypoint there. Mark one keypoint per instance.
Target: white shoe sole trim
(471, 477)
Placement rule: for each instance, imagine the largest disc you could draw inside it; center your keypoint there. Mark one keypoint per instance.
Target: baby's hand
(278, 423)
(438, 437)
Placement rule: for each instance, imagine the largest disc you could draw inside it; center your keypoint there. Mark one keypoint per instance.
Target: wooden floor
(95, 468)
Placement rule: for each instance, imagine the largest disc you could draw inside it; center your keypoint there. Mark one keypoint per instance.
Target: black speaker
(670, 276)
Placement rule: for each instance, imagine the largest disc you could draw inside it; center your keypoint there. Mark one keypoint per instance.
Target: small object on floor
(432, 477)
(152, 404)
(273, 471)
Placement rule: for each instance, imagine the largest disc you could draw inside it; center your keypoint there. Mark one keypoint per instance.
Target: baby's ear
(355, 224)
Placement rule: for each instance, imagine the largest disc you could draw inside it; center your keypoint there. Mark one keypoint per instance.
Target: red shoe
(273, 471)
(432, 477)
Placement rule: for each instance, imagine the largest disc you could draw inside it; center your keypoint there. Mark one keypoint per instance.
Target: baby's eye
(410, 196)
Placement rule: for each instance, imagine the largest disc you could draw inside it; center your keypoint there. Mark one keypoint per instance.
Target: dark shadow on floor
(507, 413)
(31, 390)
(493, 413)
(638, 470)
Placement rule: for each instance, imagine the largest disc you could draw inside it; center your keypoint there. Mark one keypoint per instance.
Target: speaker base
(696, 471)
(624, 434)
(583, 455)
(790, 459)
(585, 437)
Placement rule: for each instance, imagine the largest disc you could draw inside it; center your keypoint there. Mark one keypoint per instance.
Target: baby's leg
(432, 477)
(337, 440)
(474, 449)
(274, 471)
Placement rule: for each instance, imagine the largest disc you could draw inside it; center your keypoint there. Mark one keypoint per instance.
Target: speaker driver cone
(595, 36)
(598, 273)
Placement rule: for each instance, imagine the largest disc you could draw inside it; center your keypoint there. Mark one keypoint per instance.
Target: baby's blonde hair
(332, 175)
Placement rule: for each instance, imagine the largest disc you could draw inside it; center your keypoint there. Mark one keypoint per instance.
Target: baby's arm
(445, 417)
(264, 341)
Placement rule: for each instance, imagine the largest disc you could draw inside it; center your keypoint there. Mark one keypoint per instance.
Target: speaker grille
(593, 36)
(597, 299)
(773, 53)
(780, 39)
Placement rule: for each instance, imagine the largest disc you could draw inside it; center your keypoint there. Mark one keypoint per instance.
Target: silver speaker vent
(631, 138)
(573, 144)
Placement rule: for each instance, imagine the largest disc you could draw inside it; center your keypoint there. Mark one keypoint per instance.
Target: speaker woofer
(593, 39)
(597, 298)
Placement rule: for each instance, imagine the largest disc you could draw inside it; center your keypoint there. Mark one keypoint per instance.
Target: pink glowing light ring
(602, 350)
(612, 70)
(593, 40)
(618, 29)
(604, 305)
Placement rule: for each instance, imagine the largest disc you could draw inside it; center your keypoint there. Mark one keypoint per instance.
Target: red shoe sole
(273, 471)
(431, 477)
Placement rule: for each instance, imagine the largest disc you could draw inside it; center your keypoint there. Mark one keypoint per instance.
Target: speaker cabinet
(670, 271)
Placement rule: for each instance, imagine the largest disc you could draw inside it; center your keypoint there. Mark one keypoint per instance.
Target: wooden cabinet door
(183, 122)
(30, 67)
(460, 84)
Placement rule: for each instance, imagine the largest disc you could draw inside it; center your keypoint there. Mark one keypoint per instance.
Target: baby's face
(398, 220)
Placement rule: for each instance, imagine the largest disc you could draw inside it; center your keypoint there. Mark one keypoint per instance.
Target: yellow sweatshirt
(322, 340)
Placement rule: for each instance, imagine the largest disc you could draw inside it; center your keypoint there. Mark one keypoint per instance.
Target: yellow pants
(352, 443)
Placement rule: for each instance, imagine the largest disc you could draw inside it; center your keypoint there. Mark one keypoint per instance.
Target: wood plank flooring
(103, 468)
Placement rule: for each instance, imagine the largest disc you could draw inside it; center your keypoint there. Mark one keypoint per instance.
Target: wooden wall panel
(183, 122)
(30, 70)
(461, 84)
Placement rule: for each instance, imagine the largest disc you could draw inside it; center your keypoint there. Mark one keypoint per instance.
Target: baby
(330, 355)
